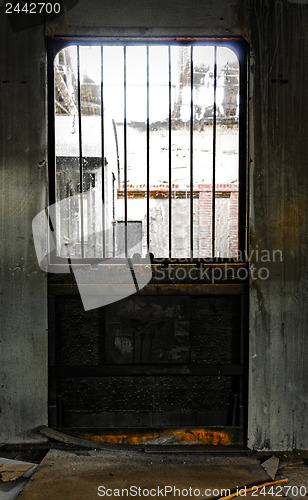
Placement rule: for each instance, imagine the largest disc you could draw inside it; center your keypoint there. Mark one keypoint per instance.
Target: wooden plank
(12, 471)
(67, 439)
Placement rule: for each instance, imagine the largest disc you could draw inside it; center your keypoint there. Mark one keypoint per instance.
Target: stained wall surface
(279, 192)
(23, 346)
(277, 31)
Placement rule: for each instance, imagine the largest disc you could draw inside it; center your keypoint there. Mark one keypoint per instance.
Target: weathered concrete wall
(279, 192)
(154, 17)
(23, 347)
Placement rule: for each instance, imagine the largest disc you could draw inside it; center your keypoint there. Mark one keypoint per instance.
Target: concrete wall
(278, 177)
(23, 346)
(279, 192)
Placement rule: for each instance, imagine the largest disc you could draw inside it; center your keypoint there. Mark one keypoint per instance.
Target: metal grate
(199, 201)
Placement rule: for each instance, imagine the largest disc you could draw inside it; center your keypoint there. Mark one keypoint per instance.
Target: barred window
(147, 145)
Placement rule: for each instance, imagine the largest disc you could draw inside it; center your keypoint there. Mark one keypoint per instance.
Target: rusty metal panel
(79, 339)
(215, 329)
(148, 361)
(148, 330)
(147, 401)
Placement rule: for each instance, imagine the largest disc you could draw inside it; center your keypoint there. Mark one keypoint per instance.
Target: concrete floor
(82, 475)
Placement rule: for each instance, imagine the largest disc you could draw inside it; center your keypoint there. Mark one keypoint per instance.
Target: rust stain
(143, 270)
(211, 437)
(207, 436)
(139, 39)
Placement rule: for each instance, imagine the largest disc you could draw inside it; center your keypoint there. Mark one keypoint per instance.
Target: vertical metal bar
(52, 386)
(214, 152)
(170, 156)
(51, 124)
(113, 215)
(243, 205)
(148, 149)
(80, 154)
(191, 146)
(125, 156)
(242, 357)
(52, 163)
(103, 152)
(243, 385)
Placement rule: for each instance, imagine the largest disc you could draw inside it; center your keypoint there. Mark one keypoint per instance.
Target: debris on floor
(218, 437)
(295, 468)
(65, 475)
(271, 466)
(14, 476)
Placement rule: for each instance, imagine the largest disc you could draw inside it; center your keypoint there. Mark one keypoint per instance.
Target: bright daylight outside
(153, 133)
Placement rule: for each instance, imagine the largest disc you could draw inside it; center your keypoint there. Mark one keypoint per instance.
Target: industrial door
(147, 143)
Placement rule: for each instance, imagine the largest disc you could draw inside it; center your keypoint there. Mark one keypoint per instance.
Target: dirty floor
(90, 474)
(62, 471)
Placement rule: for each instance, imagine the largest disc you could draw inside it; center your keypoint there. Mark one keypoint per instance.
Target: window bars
(108, 129)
